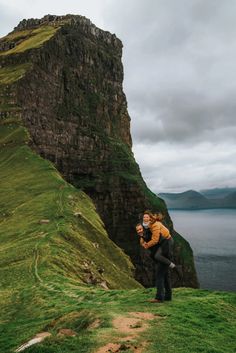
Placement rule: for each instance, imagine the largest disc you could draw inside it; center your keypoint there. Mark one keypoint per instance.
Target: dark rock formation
(75, 110)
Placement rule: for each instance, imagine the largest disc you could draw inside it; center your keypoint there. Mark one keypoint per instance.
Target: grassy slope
(42, 264)
(31, 190)
(29, 39)
(12, 73)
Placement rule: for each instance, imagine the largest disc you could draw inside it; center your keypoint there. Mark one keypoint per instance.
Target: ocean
(212, 236)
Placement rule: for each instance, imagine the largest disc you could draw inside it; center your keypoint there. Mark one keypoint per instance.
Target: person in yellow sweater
(157, 238)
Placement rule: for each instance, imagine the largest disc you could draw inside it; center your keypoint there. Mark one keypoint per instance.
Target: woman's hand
(145, 245)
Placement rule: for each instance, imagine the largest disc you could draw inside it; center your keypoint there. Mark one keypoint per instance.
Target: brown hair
(158, 216)
(138, 225)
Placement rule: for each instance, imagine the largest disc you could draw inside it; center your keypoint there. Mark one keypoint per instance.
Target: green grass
(195, 321)
(17, 35)
(13, 73)
(33, 39)
(42, 264)
(199, 321)
(31, 190)
(12, 134)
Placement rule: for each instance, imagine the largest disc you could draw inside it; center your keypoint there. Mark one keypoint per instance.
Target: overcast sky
(180, 81)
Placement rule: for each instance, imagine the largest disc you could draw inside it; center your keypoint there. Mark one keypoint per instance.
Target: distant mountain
(230, 200)
(189, 199)
(217, 193)
(215, 198)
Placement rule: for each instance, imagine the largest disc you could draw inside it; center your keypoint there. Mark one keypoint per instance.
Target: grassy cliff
(51, 238)
(46, 224)
(65, 77)
(58, 267)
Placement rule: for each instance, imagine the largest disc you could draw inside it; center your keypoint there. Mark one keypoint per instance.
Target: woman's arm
(156, 233)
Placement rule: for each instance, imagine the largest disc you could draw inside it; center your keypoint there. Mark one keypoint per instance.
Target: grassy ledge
(14, 73)
(30, 39)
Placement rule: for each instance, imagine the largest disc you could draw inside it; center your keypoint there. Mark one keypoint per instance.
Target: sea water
(212, 236)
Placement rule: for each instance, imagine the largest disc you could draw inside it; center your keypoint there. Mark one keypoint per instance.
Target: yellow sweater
(157, 229)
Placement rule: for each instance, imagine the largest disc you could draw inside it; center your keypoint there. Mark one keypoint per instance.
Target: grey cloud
(8, 19)
(175, 168)
(180, 75)
(190, 118)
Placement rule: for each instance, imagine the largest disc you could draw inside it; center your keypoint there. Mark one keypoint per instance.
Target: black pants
(163, 282)
(163, 259)
(164, 252)
(160, 258)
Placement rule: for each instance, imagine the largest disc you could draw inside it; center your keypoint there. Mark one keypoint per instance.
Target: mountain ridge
(207, 199)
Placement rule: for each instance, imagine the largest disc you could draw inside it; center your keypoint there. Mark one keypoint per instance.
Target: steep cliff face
(69, 95)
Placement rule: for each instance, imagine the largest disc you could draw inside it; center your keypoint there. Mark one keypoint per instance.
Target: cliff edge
(62, 77)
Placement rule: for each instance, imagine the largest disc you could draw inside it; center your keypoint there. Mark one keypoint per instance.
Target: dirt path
(127, 328)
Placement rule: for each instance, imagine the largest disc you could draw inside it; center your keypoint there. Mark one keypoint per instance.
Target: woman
(157, 238)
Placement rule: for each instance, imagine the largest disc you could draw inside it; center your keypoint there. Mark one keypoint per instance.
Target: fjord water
(212, 236)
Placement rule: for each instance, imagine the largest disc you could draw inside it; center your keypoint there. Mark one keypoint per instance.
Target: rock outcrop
(71, 100)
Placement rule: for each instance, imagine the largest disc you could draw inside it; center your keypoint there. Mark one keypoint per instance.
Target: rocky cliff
(65, 83)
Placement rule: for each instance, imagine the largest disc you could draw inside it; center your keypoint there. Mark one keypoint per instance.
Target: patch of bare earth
(128, 327)
(66, 332)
